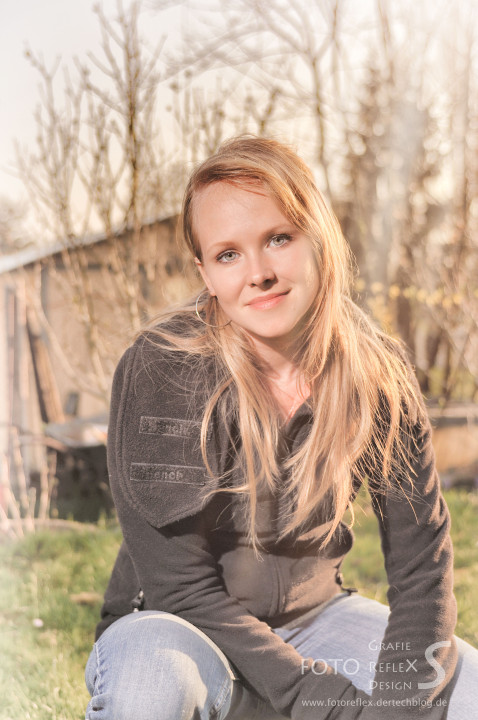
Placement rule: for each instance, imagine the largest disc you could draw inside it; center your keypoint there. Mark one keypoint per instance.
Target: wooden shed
(67, 313)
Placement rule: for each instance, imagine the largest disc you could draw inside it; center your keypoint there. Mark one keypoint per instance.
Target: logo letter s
(435, 665)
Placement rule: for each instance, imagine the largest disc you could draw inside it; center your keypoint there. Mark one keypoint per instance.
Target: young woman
(242, 427)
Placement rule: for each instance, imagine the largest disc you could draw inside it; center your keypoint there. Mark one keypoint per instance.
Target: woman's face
(260, 266)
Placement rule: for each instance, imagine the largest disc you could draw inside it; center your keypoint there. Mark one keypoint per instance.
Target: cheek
(227, 285)
(307, 270)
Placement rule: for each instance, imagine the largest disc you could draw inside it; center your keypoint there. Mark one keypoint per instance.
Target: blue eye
(279, 240)
(227, 257)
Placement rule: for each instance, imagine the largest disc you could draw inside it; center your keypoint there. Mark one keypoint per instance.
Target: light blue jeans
(155, 666)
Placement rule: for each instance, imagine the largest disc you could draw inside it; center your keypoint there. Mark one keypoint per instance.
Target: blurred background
(379, 97)
(106, 109)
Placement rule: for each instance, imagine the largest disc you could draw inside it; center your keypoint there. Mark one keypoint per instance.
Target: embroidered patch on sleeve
(149, 472)
(173, 427)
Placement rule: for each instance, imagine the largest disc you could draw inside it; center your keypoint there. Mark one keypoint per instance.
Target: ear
(204, 276)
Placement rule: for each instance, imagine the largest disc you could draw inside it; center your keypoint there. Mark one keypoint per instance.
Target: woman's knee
(152, 664)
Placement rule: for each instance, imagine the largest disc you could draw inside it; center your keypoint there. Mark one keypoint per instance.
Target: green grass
(41, 668)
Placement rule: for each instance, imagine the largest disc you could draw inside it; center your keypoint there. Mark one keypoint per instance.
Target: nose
(261, 273)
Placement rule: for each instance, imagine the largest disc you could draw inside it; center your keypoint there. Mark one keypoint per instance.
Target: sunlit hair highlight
(365, 406)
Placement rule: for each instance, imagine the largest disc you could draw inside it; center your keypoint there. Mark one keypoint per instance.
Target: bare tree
(352, 90)
(413, 238)
(13, 232)
(294, 54)
(97, 167)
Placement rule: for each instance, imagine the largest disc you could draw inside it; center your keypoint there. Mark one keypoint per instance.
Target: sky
(65, 28)
(53, 28)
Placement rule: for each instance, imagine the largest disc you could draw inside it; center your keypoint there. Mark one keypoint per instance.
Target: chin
(270, 333)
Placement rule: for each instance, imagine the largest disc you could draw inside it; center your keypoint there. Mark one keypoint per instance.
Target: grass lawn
(43, 576)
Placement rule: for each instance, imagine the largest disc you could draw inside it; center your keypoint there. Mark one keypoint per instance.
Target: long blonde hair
(364, 403)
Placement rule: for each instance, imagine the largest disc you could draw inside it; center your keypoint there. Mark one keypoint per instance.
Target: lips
(267, 301)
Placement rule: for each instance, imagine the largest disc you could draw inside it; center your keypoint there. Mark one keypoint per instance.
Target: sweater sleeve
(418, 653)
(178, 574)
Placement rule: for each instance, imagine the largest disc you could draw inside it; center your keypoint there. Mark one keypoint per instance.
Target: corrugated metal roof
(33, 254)
(30, 255)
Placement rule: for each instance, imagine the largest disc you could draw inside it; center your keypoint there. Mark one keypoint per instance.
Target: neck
(287, 386)
(277, 358)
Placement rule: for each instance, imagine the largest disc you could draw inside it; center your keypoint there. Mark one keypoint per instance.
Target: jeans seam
(99, 675)
(220, 697)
